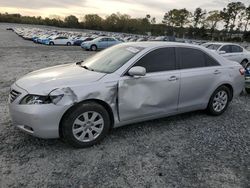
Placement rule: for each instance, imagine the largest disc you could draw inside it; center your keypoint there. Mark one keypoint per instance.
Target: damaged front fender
(63, 96)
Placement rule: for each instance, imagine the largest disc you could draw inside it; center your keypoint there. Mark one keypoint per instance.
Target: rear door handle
(173, 78)
(217, 72)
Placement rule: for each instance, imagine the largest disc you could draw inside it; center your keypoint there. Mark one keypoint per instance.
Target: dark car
(79, 41)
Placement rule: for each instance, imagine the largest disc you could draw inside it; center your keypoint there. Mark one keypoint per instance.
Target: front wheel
(86, 125)
(219, 101)
(68, 44)
(93, 48)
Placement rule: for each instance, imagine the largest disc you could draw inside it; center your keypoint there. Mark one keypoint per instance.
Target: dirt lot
(189, 150)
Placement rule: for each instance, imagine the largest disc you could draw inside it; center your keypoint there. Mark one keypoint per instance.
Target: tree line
(232, 23)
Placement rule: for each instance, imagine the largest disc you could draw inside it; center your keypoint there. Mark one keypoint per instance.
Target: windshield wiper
(79, 62)
(84, 66)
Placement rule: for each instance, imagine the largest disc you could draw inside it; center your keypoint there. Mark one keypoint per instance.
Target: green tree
(230, 14)
(198, 17)
(214, 17)
(71, 21)
(247, 18)
(176, 17)
(93, 21)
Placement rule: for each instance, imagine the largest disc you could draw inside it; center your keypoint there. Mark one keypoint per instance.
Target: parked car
(247, 78)
(230, 51)
(127, 83)
(79, 41)
(100, 43)
(58, 40)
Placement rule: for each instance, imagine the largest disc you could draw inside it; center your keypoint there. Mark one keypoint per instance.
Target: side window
(103, 40)
(111, 39)
(158, 60)
(191, 58)
(210, 61)
(236, 49)
(226, 48)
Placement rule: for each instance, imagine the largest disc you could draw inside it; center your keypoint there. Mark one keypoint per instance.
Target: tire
(219, 101)
(248, 90)
(85, 133)
(93, 48)
(68, 44)
(244, 63)
(51, 43)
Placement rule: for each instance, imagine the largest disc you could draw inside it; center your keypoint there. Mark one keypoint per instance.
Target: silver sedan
(128, 83)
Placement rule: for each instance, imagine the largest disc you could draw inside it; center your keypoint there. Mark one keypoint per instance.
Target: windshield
(111, 59)
(213, 46)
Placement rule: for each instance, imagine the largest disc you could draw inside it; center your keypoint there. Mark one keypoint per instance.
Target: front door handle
(173, 78)
(217, 72)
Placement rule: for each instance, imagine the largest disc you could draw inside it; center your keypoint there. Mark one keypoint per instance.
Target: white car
(59, 40)
(231, 51)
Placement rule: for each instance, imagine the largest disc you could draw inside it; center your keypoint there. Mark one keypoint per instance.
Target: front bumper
(86, 47)
(38, 120)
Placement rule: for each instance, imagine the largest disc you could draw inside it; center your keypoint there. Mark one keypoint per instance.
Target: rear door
(111, 42)
(153, 94)
(233, 52)
(237, 53)
(200, 74)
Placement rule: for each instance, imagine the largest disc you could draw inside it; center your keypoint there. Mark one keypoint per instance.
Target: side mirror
(137, 71)
(222, 52)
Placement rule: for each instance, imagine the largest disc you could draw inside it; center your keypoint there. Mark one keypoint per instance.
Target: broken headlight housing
(39, 99)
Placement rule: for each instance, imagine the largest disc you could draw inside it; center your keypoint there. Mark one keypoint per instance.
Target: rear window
(214, 46)
(194, 58)
(191, 58)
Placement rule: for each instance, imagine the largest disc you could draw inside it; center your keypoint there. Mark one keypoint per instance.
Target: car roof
(154, 44)
(222, 43)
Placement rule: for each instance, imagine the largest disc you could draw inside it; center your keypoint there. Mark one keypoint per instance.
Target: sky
(135, 8)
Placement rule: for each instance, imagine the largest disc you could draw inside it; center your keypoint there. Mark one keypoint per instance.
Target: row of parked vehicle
(97, 40)
(89, 40)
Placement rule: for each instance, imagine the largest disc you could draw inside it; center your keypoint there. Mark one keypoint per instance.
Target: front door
(155, 93)
(102, 43)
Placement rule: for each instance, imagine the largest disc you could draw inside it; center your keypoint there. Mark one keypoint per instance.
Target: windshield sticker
(133, 50)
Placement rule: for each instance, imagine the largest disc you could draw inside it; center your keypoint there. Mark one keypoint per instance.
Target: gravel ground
(189, 150)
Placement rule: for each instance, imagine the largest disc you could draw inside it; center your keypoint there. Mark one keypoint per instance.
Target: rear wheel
(219, 101)
(93, 48)
(51, 43)
(86, 125)
(68, 43)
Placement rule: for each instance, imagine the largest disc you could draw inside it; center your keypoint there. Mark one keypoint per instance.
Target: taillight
(242, 71)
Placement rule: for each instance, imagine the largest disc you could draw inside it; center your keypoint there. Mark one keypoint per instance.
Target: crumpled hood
(45, 80)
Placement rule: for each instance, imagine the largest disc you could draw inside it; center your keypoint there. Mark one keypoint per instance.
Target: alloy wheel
(88, 126)
(220, 101)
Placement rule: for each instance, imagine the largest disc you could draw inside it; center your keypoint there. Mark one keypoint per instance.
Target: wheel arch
(94, 45)
(230, 87)
(98, 101)
(245, 59)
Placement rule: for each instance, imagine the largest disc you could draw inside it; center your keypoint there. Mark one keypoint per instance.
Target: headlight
(38, 99)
